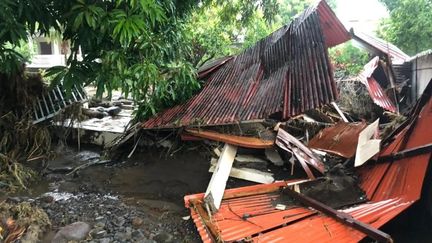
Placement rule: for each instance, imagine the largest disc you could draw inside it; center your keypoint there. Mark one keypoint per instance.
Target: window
(45, 48)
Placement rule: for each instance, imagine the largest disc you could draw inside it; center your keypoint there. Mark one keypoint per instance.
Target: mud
(149, 187)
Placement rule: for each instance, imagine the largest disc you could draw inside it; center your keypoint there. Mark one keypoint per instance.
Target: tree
(348, 60)
(409, 26)
(149, 49)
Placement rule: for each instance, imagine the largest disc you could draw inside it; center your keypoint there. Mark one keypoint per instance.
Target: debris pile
(348, 168)
(22, 222)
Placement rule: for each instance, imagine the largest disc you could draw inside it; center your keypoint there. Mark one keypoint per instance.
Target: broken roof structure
(375, 78)
(283, 75)
(380, 47)
(392, 183)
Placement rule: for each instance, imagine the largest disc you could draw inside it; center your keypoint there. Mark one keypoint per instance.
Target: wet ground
(149, 188)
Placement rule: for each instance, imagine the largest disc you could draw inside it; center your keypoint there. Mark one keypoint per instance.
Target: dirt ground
(150, 186)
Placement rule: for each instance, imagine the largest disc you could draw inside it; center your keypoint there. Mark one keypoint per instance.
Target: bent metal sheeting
(249, 213)
(375, 90)
(283, 75)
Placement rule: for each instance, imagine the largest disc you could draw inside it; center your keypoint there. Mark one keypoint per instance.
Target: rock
(76, 231)
(118, 221)
(138, 234)
(98, 233)
(137, 222)
(122, 237)
(47, 199)
(163, 237)
(105, 240)
(113, 111)
(100, 224)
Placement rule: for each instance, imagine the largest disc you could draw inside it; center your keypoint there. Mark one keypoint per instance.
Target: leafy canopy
(410, 24)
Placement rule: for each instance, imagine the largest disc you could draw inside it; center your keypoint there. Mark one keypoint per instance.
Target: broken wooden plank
(241, 141)
(341, 114)
(367, 145)
(249, 174)
(287, 142)
(249, 158)
(216, 187)
(245, 173)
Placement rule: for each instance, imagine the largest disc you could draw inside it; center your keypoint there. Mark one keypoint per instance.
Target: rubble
(363, 199)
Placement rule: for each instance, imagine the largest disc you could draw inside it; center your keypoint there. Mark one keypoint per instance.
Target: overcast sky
(363, 15)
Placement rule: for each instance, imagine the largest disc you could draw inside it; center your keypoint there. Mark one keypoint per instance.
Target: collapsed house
(353, 181)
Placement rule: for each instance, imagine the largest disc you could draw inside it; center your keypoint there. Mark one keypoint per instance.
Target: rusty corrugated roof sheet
(340, 139)
(211, 66)
(250, 213)
(285, 73)
(375, 90)
(380, 47)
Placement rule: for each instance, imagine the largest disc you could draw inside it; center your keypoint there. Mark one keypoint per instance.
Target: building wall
(421, 72)
(49, 53)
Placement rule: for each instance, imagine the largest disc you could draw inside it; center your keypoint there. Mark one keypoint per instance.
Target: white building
(48, 52)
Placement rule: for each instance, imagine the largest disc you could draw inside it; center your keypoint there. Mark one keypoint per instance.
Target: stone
(119, 221)
(163, 237)
(137, 222)
(47, 199)
(113, 111)
(105, 240)
(74, 232)
(98, 233)
(100, 225)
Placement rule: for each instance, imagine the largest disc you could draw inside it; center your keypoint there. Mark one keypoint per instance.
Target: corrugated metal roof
(375, 90)
(250, 213)
(285, 73)
(379, 47)
(211, 66)
(340, 139)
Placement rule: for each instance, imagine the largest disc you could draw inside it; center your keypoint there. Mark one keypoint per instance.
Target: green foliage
(348, 60)
(147, 48)
(409, 26)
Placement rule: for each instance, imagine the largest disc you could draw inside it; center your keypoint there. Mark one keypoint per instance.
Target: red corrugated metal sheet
(340, 139)
(285, 73)
(379, 47)
(376, 92)
(249, 213)
(211, 66)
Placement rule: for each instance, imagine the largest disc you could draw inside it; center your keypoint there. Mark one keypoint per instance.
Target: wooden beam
(216, 188)
(249, 174)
